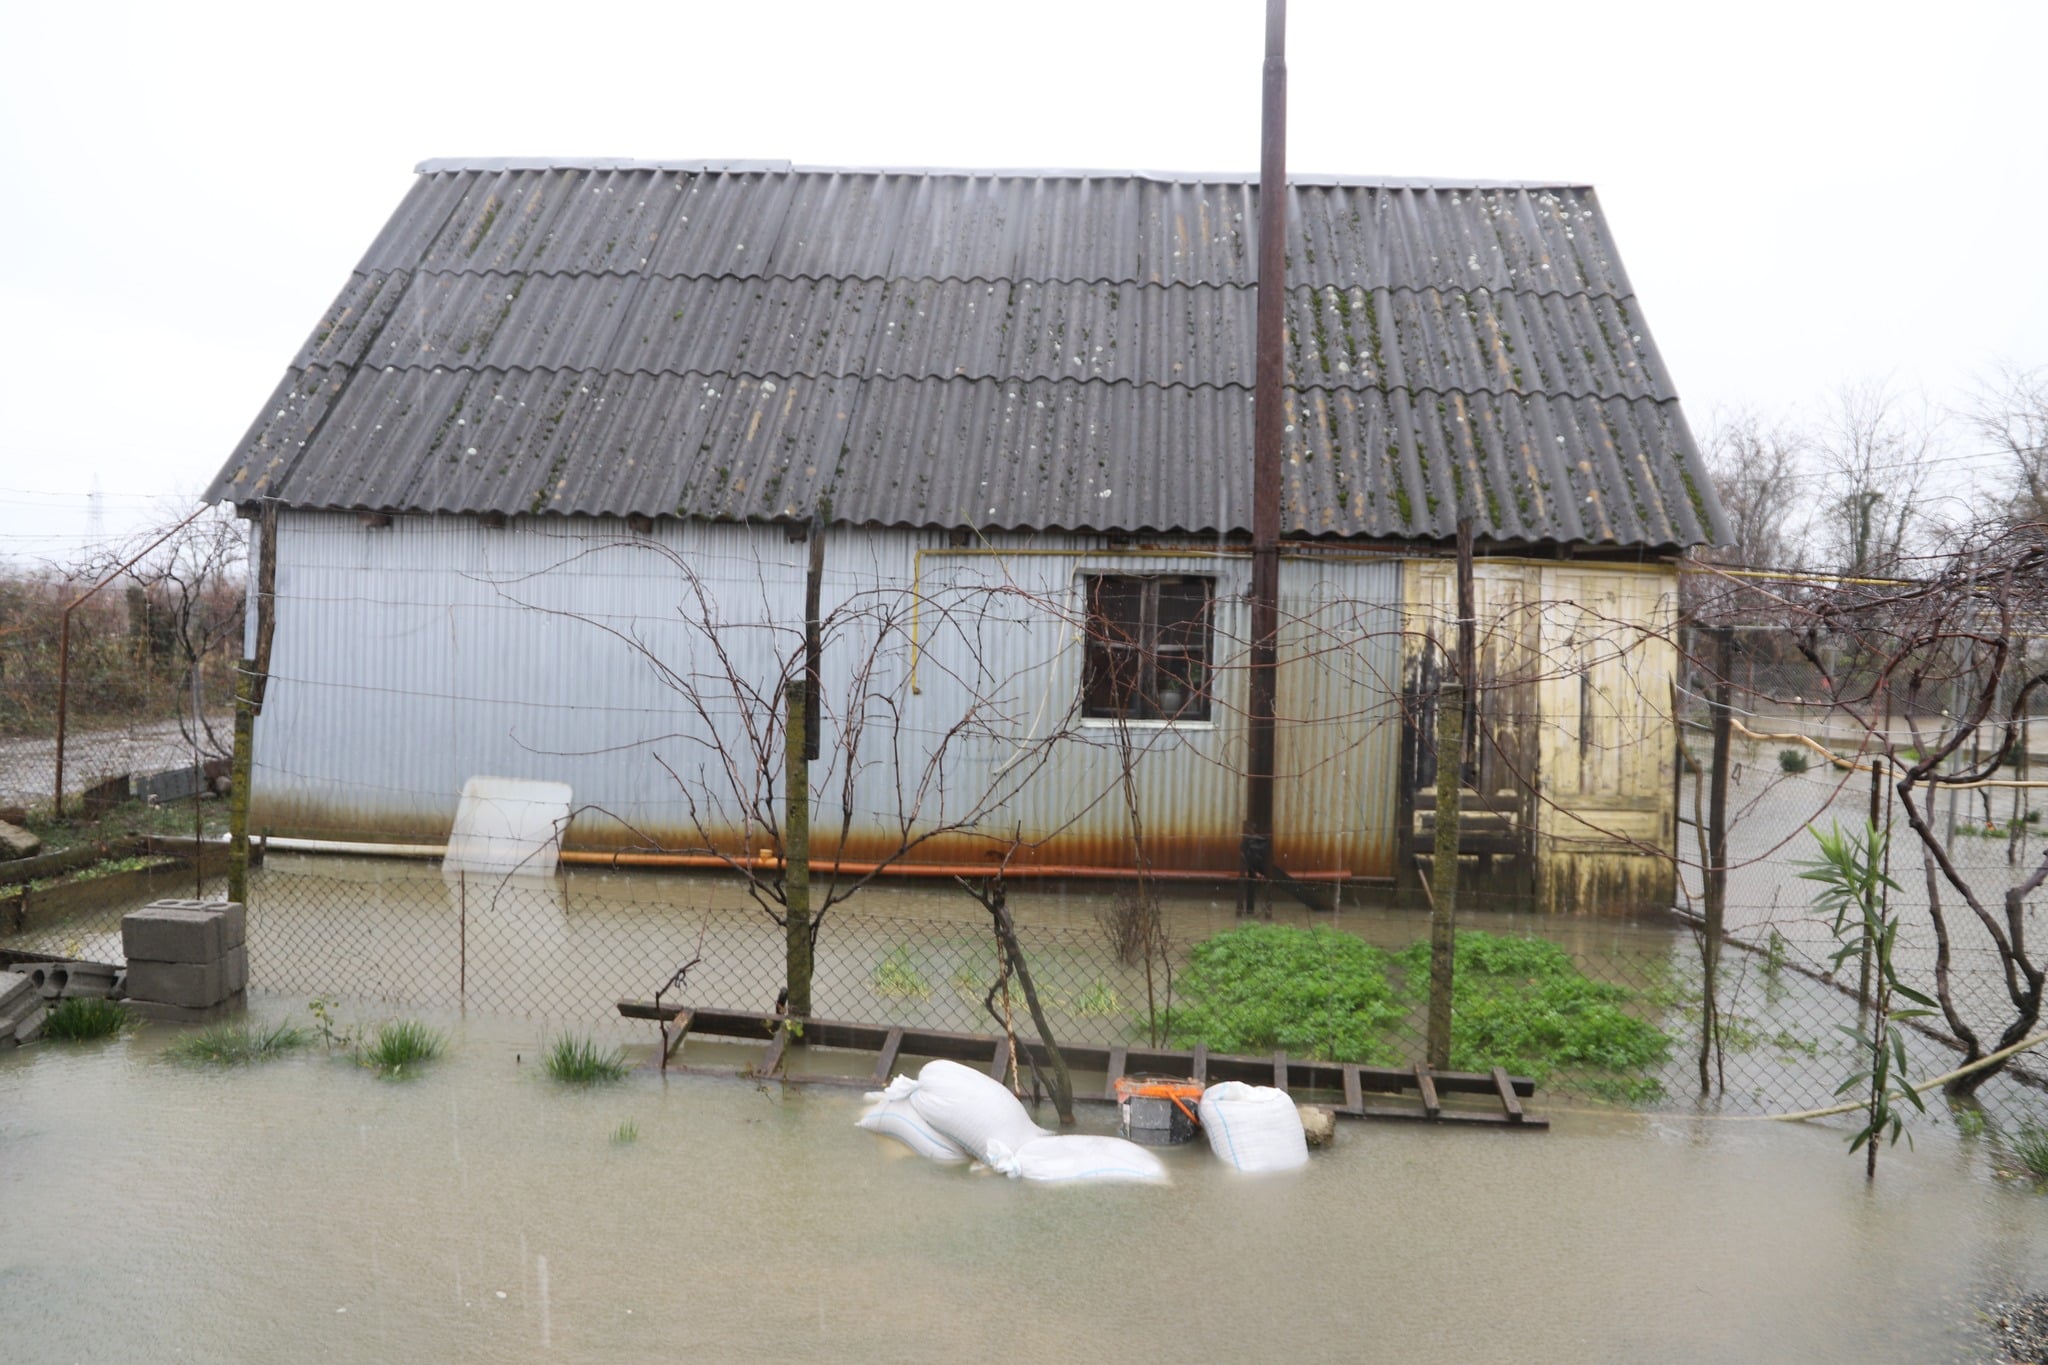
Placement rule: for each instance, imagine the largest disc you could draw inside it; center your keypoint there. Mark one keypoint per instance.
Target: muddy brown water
(306, 1210)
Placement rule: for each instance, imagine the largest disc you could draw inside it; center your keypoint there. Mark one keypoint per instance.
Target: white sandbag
(894, 1116)
(1080, 1157)
(976, 1112)
(1253, 1127)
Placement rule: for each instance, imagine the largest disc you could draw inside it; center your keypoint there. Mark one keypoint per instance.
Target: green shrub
(1523, 1004)
(1792, 760)
(236, 1044)
(576, 1060)
(1263, 987)
(403, 1043)
(82, 1019)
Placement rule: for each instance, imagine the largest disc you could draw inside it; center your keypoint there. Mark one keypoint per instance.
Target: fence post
(1450, 775)
(796, 854)
(1717, 849)
(250, 684)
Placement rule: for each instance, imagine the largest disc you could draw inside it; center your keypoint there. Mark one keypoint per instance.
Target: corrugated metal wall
(410, 658)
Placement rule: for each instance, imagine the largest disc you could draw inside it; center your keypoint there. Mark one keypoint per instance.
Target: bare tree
(1876, 449)
(1951, 647)
(886, 781)
(2010, 410)
(1756, 464)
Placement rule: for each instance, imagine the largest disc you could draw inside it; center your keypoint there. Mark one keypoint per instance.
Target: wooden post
(250, 684)
(1450, 765)
(1062, 1083)
(1717, 851)
(238, 789)
(796, 854)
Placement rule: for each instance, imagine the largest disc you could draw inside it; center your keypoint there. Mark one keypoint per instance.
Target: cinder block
(234, 924)
(234, 969)
(89, 979)
(13, 986)
(31, 1028)
(159, 1012)
(194, 985)
(48, 978)
(170, 931)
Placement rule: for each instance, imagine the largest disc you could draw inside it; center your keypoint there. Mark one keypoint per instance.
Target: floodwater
(306, 1210)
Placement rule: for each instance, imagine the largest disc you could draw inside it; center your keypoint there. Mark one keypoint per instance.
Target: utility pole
(1256, 850)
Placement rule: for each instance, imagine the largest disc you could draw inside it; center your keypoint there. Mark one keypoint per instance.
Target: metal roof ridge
(456, 165)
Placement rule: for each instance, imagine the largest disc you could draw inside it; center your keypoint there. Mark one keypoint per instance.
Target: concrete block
(194, 985)
(12, 1016)
(234, 923)
(171, 931)
(234, 969)
(172, 784)
(90, 979)
(16, 842)
(48, 978)
(158, 1012)
(13, 986)
(31, 1028)
(1318, 1124)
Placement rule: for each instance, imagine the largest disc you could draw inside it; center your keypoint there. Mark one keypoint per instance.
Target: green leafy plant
(2026, 1148)
(627, 1132)
(327, 1023)
(401, 1044)
(1854, 888)
(1523, 1004)
(82, 1019)
(237, 1044)
(576, 1060)
(1969, 1118)
(898, 976)
(1261, 987)
(1792, 760)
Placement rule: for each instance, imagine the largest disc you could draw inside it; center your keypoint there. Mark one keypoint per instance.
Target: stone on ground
(16, 842)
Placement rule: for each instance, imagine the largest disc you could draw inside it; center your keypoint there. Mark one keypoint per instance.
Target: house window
(1148, 647)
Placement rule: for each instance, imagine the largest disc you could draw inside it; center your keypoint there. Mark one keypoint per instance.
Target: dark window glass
(1148, 647)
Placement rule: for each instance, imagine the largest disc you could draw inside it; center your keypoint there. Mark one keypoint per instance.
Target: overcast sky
(1803, 193)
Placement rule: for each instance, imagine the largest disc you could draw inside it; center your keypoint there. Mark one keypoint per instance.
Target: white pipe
(346, 847)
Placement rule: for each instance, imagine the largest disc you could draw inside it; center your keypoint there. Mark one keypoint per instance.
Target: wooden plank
(885, 1062)
(769, 1063)
(1505, 1086)
(1424, 1083)
(679, 1027)
(1280, 1072)
(1392, 1089)
(1117, 1059)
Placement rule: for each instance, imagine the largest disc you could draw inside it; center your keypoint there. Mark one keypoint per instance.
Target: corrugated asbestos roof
(995, 349)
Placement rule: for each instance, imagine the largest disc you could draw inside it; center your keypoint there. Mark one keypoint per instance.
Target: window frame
(1146, 641)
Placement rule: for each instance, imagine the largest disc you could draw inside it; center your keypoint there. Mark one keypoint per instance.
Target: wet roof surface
(992, 349)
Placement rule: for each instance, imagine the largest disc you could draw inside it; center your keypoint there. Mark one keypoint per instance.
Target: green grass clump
(403, 1043)
(2027, 1146)
(627, 1132)
(1263, 987)
(236, 1044)
(82, 1019)
(1792, 760)
(897, 976)
(575, 1060)
(1521, 1003)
